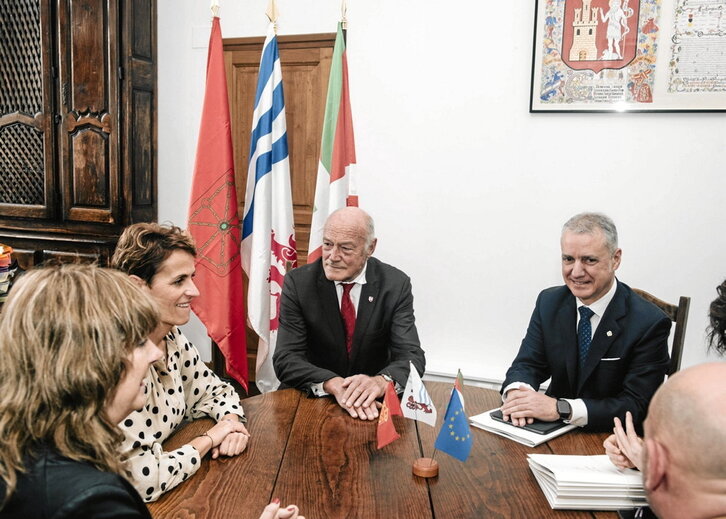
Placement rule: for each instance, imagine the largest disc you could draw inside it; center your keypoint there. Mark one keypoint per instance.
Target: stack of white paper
(531, 439)
(586, 482)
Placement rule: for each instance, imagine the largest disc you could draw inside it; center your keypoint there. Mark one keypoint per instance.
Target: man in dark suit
(604, 346)
(346, 321)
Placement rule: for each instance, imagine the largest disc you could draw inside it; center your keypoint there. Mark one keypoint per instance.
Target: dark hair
(717, 315)
(143, 247)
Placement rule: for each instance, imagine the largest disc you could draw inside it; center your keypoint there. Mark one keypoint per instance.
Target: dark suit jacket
(627, 361)
(311, 338)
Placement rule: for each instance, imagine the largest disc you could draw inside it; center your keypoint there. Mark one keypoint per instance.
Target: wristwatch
(564, 409)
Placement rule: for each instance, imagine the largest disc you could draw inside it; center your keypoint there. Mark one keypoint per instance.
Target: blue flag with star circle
(455, 436)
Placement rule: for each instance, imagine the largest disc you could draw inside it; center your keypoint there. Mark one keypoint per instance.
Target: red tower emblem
(599, 34)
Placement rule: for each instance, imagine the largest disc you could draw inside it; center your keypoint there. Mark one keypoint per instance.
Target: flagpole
(344, 20)
(424, 467)
(214, 6)
(272, 13)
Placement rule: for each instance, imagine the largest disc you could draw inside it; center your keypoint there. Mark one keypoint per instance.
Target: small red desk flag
(391, 407)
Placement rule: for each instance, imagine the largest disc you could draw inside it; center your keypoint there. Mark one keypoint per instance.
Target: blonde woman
(75, 352)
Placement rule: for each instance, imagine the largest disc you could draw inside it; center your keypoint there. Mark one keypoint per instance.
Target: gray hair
(370, 230)
(590, 223)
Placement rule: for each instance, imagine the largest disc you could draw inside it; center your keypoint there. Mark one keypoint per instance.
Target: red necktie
(347, 311)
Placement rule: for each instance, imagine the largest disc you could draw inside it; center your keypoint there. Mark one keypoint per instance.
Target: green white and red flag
(335, 186)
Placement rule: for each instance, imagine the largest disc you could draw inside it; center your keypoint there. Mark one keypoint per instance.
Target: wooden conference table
(311, 453)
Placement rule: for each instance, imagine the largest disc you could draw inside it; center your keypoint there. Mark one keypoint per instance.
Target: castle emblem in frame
(599, 34)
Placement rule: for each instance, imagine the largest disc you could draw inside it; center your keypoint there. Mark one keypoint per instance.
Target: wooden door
(305, 63)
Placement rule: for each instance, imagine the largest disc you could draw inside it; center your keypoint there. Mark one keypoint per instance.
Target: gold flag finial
(214, 6)
(272, 13)
(343, 14)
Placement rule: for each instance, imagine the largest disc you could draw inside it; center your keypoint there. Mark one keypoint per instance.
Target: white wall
(468, 189)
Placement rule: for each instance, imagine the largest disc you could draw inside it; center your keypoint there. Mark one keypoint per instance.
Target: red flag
(391, 407)
(213, 221)
(391, 398)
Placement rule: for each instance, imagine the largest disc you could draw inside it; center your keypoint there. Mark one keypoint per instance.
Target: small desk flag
(455, 436)
(386, 430)
(417, 404)
(459, 386)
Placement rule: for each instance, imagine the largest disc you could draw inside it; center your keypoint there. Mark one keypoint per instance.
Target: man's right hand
(522, 406)
(335, 386)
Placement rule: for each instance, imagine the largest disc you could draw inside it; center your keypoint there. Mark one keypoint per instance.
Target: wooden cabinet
(77, 124)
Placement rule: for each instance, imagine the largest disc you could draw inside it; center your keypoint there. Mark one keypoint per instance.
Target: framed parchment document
(629, 56)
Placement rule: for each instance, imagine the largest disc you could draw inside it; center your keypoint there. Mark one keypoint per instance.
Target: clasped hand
(357, 394)
(230, 438)
(523, 405)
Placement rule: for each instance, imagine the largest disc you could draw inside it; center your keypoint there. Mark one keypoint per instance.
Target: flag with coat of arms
(268, 234)
(213, 220)
(416, 402)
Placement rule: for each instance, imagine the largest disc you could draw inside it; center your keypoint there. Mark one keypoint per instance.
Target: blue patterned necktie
(584, 333)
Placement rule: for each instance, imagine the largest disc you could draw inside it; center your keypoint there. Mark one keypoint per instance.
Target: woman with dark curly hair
(717, 316)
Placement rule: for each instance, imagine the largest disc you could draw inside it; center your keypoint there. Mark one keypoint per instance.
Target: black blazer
(311, 338)
(60, 488)
(627, 361)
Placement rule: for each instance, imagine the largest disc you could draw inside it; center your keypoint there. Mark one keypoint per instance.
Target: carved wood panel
(139, 109)
(26, 103)
(89, 137)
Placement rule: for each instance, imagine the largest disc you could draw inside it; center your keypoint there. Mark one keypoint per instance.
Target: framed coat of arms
(629, 55)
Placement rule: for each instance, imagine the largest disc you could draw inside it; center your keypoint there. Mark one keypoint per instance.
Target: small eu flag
(455, 436)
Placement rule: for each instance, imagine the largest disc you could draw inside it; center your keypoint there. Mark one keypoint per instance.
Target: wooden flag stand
(426, 468)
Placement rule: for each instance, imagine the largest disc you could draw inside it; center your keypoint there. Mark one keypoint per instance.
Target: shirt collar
(360, 278)
(599, 306)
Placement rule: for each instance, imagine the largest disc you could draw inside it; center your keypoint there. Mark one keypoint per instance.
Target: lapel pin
(609, 334)
(370, 299)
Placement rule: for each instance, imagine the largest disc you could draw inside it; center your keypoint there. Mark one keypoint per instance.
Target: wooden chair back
(679, 315)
